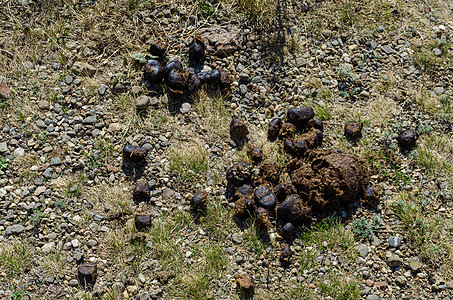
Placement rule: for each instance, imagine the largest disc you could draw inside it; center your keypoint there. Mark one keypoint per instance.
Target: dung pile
(314, 182)
(182, 81)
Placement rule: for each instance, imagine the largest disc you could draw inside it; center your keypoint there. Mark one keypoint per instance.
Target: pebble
(47, 248)
(90, 120)
(363, 250)
(142, 102)
(237, 238)
(394, 261)
(394, 241)
(102, 89)
(185, 108)
(3, 147)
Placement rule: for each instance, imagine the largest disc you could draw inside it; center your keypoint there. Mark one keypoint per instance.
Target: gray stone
(142, 102)
(44, 105)
(90, 120)
(387, 49)
(68, 79)
(3, 147)
(437, 52)
(41, 124)
(73, 283)
(438, 90)
(394, 241)
(55, 161)
(48, 173)
(47, 248)
(14, 229)
(102, 89)
(372, 297)
(394, 261)
(237, 238)
(154, 101)
(363, 250)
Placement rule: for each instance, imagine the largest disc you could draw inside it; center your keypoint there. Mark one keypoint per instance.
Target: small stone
(394, 261)
(3, 147)
(237, 238)
(438, 90)
(387, 49)
(83, 67)
(437, 52)
(372, 297)
(142, 102)
(47, 248)
(90, 120)
(363, 250)
(92, 243)
(48, 173)
(185, 108)
(68, 79)
(44, 105)
(394, 241)
(4, 91)
(115, 127)
(415, 264)
(19, 152)
(14, 229)
(382, 285)
(75, 243)
(102, 89)
(39, 190)
(73, 283)
(55, 161)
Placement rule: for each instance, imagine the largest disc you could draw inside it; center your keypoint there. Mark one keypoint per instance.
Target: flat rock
(115, 127)
(142, 102)
(83, 67)
(14, 229)
(47, 248)
(44, 105)
(4, 91)
(223, 40)
(363, 250)
(394, 241)
(39, 190)
(90, 120)
(3, 147)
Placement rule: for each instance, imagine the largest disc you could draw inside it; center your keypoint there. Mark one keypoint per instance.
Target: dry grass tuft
(435, 153)
(191, 160)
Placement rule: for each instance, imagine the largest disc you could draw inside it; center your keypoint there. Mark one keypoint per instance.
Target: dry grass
(113, 200)
(214, 112)
(435, 154)
(382, 110)
(190, 161)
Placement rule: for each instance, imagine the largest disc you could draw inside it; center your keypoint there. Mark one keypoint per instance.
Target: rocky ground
(72, 96)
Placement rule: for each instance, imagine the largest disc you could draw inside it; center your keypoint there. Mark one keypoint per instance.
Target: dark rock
(287, 231)
(256, 154)
(285, 254)
(197, 50)
(173, 65)
(141, 192)
(300, 116)
(152, 71)
(157, 48)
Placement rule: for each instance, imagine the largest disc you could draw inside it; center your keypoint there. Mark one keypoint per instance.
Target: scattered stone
(142, 102)
(185, 108)
(47, 248)
(83, 68)
(394, 261)
(199, 202)
(237, 238)
(19, 152)
(44, 105)
(115, 127)
(14, 229)
(394, 241)
(363, 250)
(102, 89)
